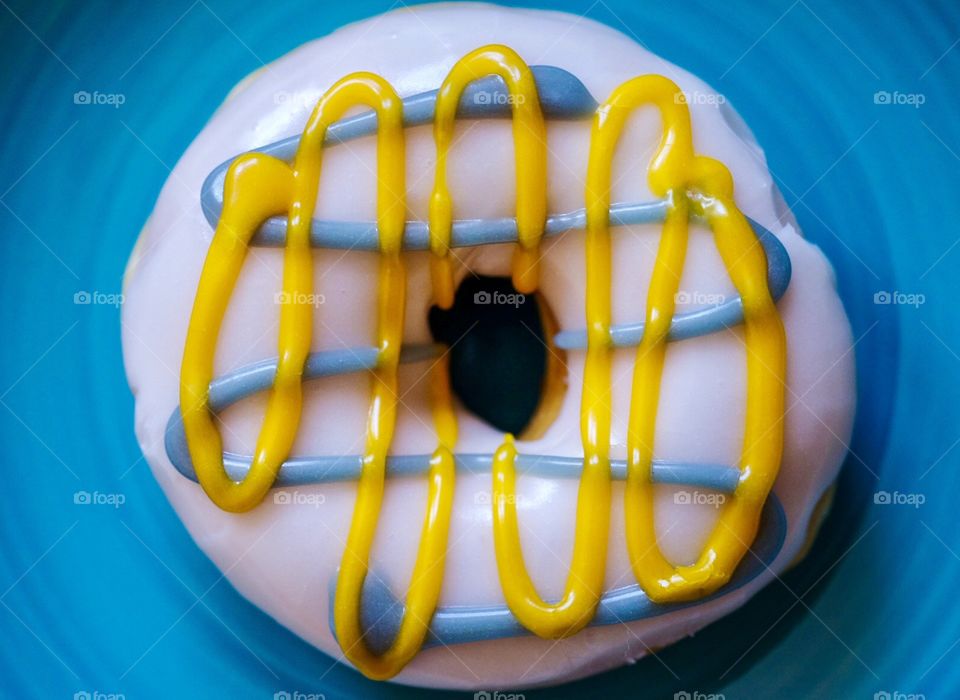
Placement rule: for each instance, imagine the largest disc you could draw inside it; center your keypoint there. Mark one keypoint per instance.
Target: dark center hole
(499, 355)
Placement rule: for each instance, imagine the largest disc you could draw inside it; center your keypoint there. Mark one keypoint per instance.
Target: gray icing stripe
(691, 324)
(465, 233)
(381, 613)
(299, 471)
(709, 319)
(562, 96)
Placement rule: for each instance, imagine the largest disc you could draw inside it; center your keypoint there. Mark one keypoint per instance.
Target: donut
(477, 347)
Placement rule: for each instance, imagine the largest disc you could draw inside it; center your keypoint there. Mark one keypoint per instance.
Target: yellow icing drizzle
(705, 186)
(259, 186)
(530, 162)
(584, 584)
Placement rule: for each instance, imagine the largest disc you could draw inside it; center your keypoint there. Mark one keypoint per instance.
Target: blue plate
(857, 109)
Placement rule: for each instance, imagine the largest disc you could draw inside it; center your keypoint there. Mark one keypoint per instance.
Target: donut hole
(503, 367)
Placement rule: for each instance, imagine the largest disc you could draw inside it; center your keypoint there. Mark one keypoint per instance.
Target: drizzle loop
(704, 186)
(530, 161)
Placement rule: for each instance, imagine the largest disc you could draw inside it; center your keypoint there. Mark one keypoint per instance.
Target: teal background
(119, 600)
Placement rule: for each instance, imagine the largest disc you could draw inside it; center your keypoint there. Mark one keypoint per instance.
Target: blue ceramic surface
(856, 105)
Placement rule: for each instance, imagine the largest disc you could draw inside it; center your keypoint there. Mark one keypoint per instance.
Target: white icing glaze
(283, 557)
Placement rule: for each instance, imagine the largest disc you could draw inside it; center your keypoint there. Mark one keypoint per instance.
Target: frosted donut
(506, 263)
